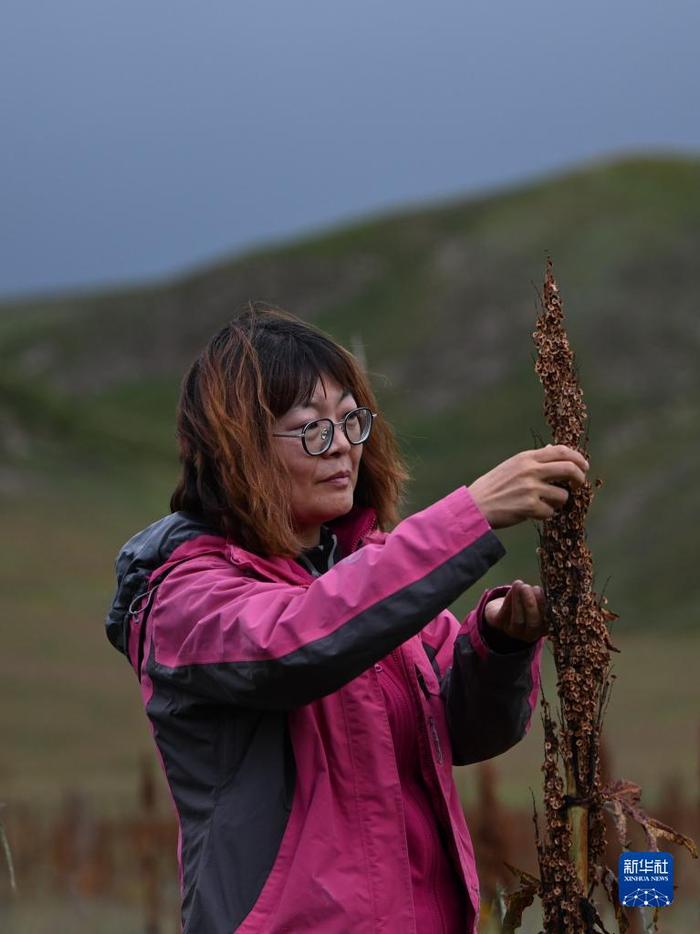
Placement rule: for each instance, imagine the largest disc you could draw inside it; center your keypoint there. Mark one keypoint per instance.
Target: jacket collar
(349, 529)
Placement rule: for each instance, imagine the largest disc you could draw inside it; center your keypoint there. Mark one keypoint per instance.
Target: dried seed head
(578, 630)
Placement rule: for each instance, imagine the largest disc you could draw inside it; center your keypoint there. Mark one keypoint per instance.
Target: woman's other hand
(520, 614)
(529, 485)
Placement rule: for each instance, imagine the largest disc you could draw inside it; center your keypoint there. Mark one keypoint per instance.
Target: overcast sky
(141, 137)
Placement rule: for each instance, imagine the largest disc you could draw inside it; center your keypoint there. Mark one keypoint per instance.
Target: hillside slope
(442, 299)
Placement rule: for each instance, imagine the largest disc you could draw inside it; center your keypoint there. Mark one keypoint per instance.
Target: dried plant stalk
(4, 842)
(570, 851)
(580, 644)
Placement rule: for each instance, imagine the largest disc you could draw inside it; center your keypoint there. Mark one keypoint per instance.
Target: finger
(497, 611)
(543, 510)
(506, 613)
(507, 601)
(539, 596)
(518, 617)
(540, 620)
(542, 603)
(554, 496)
(533, 614)
(561, 452)
(492, 609)
(562, 471)
(521, 611)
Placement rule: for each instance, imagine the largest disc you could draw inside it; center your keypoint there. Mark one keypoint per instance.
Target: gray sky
(141, 137)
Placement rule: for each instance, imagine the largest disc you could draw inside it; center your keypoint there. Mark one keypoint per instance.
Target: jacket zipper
(437, 790)
(369, 527)
(427, 817)
(436, 739)
(431, 720)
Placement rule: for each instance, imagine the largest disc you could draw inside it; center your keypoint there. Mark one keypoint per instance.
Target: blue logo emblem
(645, 879)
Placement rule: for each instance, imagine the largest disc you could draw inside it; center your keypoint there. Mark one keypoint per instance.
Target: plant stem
(578, 827)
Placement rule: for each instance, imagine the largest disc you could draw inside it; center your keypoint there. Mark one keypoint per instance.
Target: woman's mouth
(340, 479)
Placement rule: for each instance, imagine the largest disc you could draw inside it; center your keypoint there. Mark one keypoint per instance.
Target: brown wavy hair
(258, 366)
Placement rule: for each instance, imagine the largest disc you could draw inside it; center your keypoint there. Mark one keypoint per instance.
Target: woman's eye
(312, 424)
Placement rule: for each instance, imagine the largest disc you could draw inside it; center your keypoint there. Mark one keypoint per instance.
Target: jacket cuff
(462, 506)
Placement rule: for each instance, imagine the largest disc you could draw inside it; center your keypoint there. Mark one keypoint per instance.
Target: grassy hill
(443, 299)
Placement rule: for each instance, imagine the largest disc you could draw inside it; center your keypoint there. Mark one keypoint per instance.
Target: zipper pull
(421, 681)
(436, 739)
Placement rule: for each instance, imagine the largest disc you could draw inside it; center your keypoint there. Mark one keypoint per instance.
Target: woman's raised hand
(529, 485)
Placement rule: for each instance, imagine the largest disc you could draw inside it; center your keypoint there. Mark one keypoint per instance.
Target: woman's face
(314, 498)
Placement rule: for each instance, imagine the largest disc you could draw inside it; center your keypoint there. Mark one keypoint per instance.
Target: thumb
(493, 609)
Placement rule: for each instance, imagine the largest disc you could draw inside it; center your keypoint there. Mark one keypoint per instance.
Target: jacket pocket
(434, 714)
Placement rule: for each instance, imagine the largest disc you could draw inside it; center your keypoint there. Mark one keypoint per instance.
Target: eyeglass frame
(342, 422)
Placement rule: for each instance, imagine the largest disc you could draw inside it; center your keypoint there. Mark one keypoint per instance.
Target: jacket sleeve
(230, 638)
(489, 682)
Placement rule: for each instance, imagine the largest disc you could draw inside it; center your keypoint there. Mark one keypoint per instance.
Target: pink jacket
(260, 684)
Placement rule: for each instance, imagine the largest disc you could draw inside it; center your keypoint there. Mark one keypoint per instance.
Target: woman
(307, 688)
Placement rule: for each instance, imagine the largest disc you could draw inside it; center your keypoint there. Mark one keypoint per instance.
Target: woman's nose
(340, 441)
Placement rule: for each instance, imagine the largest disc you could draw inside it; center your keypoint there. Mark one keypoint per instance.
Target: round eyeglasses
(317, 436)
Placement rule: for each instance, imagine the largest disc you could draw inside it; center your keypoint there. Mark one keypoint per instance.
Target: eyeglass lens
(319, 434)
